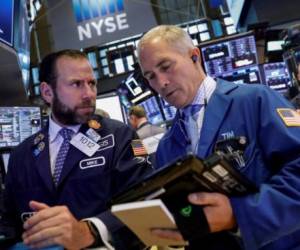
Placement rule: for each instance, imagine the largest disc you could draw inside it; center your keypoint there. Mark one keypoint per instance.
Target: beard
(69, 116)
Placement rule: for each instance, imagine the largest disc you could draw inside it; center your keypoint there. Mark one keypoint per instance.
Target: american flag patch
(290, 117)
(138, 148)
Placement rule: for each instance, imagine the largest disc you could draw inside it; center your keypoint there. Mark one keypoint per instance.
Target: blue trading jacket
(86, 184)
(269, 219)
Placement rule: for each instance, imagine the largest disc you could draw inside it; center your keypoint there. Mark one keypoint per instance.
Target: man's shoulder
(108, 125)
(30, 141)
(242, 90)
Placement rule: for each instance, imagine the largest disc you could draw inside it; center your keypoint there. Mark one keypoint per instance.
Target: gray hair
(171, 34)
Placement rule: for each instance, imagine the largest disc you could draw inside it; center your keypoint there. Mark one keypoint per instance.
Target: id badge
(84, 144)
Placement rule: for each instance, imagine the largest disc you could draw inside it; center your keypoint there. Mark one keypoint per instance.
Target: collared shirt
(203, 95)
(55, 140)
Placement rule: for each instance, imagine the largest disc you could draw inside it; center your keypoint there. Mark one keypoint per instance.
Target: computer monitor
(229, 55)
(18, 123)
(135, 89)
(276, 76)
(169, 110)
(110, 102)
(247, 75)
(152, 110)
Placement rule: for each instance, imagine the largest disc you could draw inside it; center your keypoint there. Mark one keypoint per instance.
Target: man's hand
(55, 226)
(217, 209)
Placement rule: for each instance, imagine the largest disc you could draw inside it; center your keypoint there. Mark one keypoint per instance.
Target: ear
(46, 92)
(195, 53)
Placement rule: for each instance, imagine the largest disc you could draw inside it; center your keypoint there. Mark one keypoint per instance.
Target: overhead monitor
(6, 21)
(152, 110)
(110, 103)
(247, 75)
(276, 76)
(135, 89)
(226, 56)
(18, 123)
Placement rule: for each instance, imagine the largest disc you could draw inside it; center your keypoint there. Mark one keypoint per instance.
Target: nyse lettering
(104, 25)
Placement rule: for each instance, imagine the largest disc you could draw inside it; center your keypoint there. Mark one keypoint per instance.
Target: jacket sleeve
(127, 169)
(274, 211)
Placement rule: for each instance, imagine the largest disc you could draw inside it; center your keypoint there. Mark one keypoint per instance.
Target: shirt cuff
(102, 229)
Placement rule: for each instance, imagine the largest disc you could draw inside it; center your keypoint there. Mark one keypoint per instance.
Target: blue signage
(6, 21)
(85, 10)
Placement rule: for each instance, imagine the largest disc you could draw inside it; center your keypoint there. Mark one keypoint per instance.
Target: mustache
(86, 104)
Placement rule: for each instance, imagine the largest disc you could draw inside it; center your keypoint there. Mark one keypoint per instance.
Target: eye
(149, 77)
(93, 83)
(76, 84)
(165, 67)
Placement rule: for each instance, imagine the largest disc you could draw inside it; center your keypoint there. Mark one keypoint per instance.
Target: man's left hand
(217, 209)
(55, 226)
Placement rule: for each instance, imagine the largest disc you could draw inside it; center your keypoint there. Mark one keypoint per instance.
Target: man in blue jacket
(268, 219)
(60, 180)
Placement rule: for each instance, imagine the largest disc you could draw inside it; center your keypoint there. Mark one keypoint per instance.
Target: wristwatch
(95, 233)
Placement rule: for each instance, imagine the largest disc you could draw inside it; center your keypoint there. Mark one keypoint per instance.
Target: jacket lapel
(216, 109)
(179, 131)
(40, 150)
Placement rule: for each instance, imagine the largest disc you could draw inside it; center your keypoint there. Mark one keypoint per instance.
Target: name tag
(106, 142)
(84, 144)
(92, 162)
(92, 134)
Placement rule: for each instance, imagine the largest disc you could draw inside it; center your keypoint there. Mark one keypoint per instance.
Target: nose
(161, 81)
(89, 91)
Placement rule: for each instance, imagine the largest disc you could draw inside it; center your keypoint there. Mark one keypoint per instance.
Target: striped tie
(191, 113)
(62, 153)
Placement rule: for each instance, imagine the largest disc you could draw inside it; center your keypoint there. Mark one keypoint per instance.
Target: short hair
(47, 69)
(171, 34)
(102, 113)
(138, 111)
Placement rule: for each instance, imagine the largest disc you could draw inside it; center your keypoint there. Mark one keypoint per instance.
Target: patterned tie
(62, 153)
(191, 114)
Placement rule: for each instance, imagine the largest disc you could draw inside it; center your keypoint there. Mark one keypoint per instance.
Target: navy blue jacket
(86, 184)
(269, 219)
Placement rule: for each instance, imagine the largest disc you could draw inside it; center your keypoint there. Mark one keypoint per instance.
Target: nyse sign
(105, 25)
(84, 23)
(96, 17)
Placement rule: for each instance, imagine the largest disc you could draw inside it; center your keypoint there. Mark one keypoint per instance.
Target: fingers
(43, 237)
(167, 234)
(45, 214)
(37, 206)
(204, 199)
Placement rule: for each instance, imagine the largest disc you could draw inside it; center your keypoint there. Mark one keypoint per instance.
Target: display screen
(169, 110)
(225, 57)
(110, 103)
(247, 75)
(18, 123)
(152, 110)
(276, 75)
(6, 21)
(134, 90)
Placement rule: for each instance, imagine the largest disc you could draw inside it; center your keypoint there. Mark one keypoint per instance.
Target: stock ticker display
(276, 75)
(18, 123)
(232, 58)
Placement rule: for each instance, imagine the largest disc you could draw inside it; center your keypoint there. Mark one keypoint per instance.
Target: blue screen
(152, 110)
(6, 21)
(276, 75)
(18, 123)
(224, 57)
